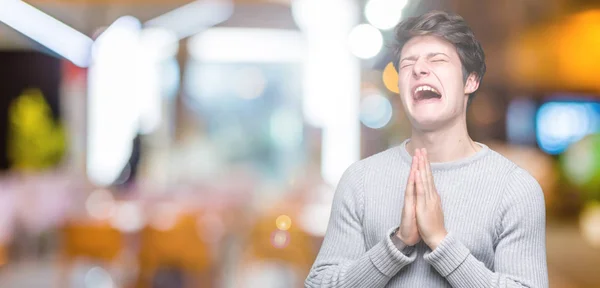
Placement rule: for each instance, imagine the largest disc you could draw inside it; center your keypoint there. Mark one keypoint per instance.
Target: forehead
(423, 45)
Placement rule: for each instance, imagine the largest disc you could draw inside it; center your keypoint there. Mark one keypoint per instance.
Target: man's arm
(520, 258)
(343, 260)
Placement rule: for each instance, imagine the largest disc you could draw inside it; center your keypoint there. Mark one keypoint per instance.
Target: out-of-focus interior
(199, 143)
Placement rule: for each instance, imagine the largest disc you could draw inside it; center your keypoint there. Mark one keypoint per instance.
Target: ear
(471, 84)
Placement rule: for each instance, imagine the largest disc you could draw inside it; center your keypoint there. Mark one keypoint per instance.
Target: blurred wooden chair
(267, 243)
(96, 241)
(179, 247)
(293, 246)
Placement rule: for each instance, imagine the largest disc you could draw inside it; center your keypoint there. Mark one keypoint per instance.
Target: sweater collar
(447, 165)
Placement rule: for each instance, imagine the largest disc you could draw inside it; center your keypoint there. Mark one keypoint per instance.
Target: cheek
(403, 86)
(453, 109)
(452, 84)
(402, 80)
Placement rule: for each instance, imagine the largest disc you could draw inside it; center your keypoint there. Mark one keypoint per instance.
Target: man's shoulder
(383, 156)
(500, 162)
(513, 170)
(381, 160)
(520, 184)
(377, 163)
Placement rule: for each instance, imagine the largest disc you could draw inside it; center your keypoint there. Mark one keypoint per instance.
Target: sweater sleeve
(520, 256)
(343, 260)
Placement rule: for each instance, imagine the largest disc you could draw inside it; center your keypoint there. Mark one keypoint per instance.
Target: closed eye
(407, 64)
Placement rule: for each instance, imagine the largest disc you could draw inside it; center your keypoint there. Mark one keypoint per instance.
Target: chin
(426, 122)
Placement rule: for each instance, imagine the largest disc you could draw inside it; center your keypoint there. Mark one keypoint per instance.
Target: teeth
(425, 87)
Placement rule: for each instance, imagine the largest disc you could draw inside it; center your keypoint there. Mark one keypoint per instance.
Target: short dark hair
(450, 27)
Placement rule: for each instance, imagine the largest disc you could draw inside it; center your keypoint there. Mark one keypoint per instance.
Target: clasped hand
(422, 215)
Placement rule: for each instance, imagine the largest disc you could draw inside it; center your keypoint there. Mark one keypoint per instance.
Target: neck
(448, 144)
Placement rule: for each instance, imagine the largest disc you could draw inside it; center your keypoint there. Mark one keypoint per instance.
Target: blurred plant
(35, 140)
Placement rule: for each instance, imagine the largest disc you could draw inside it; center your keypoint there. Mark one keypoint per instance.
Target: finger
(420, 192)
(429, 176)
(423, 174)
(415, 163)
(409, 193)
(428, 166)
(413, 167)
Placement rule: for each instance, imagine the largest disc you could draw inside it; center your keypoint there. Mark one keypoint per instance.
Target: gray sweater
(494, 213)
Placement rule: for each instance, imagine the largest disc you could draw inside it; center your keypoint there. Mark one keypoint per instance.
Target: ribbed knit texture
(494, 213)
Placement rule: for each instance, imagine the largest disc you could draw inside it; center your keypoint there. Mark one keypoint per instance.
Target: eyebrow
(430, 55)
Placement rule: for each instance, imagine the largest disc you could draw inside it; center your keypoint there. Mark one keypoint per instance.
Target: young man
(439, 210)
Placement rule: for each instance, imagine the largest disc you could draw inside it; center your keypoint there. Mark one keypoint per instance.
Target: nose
(420, 69)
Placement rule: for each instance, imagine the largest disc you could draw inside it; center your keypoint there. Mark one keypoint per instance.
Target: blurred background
(199, 143)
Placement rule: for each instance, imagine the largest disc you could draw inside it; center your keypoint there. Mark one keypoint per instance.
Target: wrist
(400, 243)
(435, 241)
(398, 237)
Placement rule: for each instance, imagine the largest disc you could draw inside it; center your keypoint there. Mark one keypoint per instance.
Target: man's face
(430, 80)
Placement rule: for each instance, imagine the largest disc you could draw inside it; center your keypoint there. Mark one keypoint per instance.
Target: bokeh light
(581, 165)
(283, 222)
(384, 14)
(280, 239)
(165, 216)
(561, 123)
(375, 111)
(98, 278)
(128, 217)
(100, 204)
(365, 41)
(390, 78)
(590, 224)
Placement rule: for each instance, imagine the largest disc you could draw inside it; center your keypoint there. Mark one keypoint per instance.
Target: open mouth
(425, 92)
